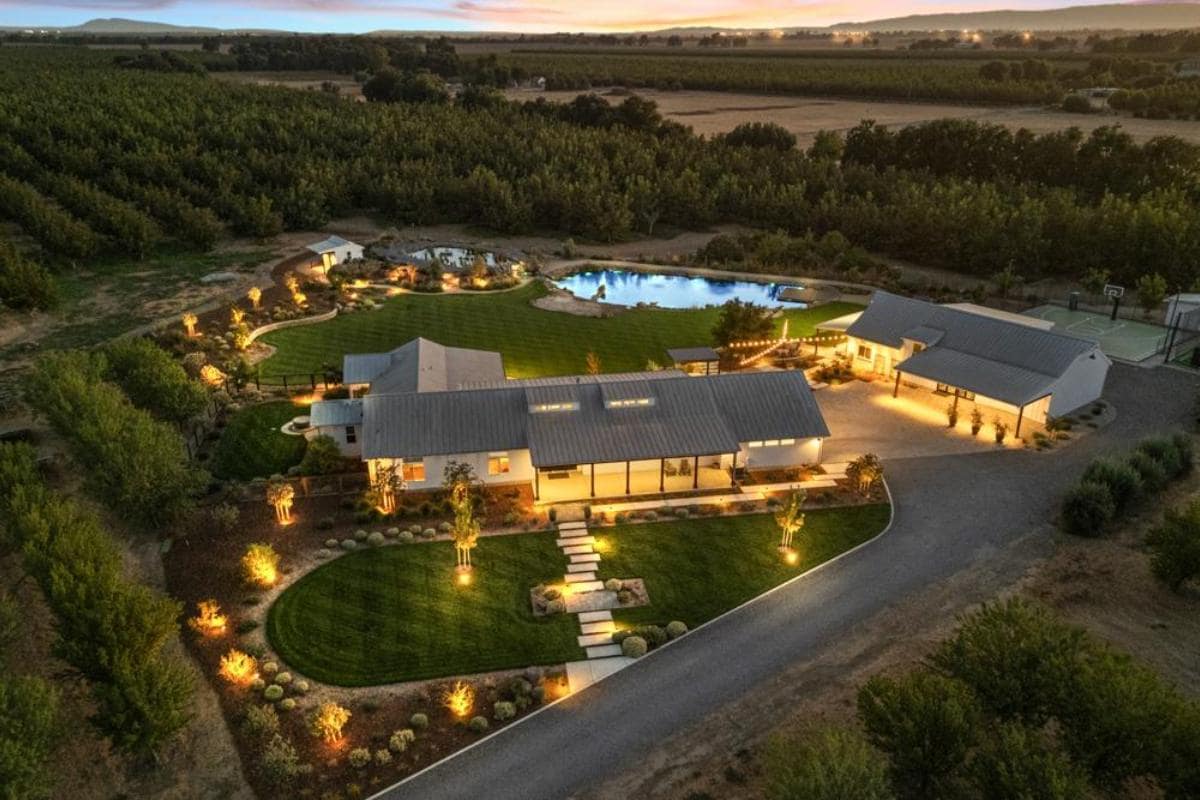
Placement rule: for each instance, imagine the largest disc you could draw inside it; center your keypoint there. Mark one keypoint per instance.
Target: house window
(414, 471)
(351, 437)
(497, 463)
(864, 352)
(787, 442)
(754, 444)
(944, 388)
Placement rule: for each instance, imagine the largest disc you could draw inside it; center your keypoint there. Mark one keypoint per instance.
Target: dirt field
(311, 81)
(709, 113)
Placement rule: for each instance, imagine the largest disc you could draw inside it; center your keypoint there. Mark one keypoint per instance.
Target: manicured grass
(532, 341)
(396, 613)
(251, 445)
(699, 568)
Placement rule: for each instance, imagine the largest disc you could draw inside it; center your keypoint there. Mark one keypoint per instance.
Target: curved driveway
(951, 513)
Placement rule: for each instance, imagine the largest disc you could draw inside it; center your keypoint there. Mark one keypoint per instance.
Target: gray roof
(689, 416)
(1003, 360)
(336, 412)
(574, 380)
(332, 243)
(684, 355)
(421, 365)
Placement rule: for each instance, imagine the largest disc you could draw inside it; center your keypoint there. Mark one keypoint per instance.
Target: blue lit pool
(628, 288)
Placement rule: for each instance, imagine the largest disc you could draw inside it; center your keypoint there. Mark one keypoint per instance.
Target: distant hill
(126, 26)
(1116, 16)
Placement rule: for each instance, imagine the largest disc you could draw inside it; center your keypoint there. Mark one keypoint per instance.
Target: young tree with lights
(280, 495)
(791, 518)
(254, 295)
(466, 526)
(189, 322)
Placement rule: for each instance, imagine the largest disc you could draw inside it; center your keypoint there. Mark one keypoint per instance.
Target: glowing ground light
(600, 545)
(209, 621)
(464, 579)
(459, 699)
(791, 557)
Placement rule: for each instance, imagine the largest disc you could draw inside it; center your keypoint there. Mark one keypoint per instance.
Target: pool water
(628, 288)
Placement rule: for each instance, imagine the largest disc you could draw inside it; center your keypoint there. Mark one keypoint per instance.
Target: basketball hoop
(1114, 291)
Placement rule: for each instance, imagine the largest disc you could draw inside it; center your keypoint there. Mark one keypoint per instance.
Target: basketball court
(1121, 338)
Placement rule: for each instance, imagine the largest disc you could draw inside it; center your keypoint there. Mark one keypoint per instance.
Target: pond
(628, 288)
(458, 259)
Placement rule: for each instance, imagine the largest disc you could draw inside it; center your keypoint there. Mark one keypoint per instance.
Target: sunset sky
(507, 15)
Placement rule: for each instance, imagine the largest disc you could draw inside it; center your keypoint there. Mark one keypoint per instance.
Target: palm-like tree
(791, 518)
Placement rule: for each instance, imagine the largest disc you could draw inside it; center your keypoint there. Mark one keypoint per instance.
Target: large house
(998, 361)
(424, 405)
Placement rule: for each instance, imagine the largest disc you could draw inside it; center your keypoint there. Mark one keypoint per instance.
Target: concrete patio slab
(580, 577)
(589, 628)
(603, 651)
(582, 674)
(595, 616)
(598, 599)
(574, 540)
(594, 639)
(586, 567)
(571, 526)
(577, 549)
(587, 587)
(585, 558)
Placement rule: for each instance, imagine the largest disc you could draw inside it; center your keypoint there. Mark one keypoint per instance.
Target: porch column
(733, 472)
(626, 477)
(593, 480)
(956, 401)
(536, 485)
(696, 472)
(662, 475)
(896, 388)
(1020, 416)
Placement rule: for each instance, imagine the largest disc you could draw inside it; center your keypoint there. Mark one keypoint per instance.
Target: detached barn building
(334, 250)
(997, 362)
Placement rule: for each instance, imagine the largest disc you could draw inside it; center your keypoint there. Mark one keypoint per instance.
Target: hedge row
(1111, 487)
(110, 629)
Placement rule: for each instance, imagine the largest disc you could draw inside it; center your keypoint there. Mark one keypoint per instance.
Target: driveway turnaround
(952, 512)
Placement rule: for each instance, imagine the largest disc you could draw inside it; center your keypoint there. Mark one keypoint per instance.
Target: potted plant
(976, 421)
(1001, 429)
(952, 414)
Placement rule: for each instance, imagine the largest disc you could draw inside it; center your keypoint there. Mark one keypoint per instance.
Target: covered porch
(575, 482)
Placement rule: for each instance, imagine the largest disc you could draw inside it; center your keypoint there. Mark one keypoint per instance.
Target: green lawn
(699, 568)
(397, 614)
(251, 445)
(533, 341)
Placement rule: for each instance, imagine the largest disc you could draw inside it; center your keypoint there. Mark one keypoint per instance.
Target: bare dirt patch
(710, 113)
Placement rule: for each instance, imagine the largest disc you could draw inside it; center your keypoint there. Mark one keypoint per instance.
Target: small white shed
(335, 250)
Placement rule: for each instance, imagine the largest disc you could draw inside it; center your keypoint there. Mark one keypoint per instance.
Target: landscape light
(209, 621)
(238, 667)
(459, 699)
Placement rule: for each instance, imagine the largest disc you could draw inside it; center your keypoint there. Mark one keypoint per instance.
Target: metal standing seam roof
(573, 380)
(993, 357)
(336, 412)
(685, 355)
(689, 416)
(421, 365)
(325, 245)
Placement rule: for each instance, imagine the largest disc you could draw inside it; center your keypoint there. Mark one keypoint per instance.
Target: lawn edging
(525, 718)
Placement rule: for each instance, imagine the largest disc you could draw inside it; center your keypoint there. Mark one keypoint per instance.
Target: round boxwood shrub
(270, 667)
(401, 739)
(478, 724)
(1087, 509)
(331, 543)
(258, 684)
(405, 536)
(360, 757)
(675, 629)
(375, 539)
(360, 535)
(1123, 481)
(429, 533)
(414, 529)
(287, 704)
(682, 513)
(283, 678)
(392, 532)
(273, 692)
(633, 647)
(302, 686)
(349, 544)
(419, 721)
(613, 584)
(324, 553)
(503, 710)
(653, 634)
(383, 757)
(445, 527)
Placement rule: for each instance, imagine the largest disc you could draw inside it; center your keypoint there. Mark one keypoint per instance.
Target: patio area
(679, 475)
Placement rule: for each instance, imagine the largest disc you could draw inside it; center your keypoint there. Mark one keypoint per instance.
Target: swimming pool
(628, 288)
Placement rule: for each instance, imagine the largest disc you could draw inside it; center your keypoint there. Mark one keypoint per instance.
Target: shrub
(414, 529)
(558, 606)
(376, 539)
(1185, 450)
(405, 537)
(419, 721)
(270, 667)
(676, 629)
(302, 686)
(633, 647)
(613, 584)
(681, 513)
(829, 764)
(348, 544)
(478, 724)
(1164, 451)
(360, 535)
(926, 724)
(273, 692)
(325, 523)
(1087, 509)
(360, 757)
(224, 517)
(653, 634)
(278, 763)
(1175, 546)
(321, 457)
(503, 710)
(1154, 476)
(1017, 761)
(260, 722)
(1123, 481)
(429, 533)
(383, 757)
(445, 527)
(401, 739)
(283, 678)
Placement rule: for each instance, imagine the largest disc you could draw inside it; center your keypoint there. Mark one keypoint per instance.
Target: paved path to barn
(953, 513)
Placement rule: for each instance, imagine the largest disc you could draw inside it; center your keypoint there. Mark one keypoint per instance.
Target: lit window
(414, 471)
(771, 443)
(756, 444)
(787, 442)
(497, 463)
(864, 351)
(351, 436)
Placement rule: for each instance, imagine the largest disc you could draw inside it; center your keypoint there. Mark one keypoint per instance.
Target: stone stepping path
(589, 628)
(595, 616)
(603, 651)
(581, 577)
(595, 639)
(577, 549)
(595, 626)
(582, 674)
(575, 540)
(585, 567)
(585, 558)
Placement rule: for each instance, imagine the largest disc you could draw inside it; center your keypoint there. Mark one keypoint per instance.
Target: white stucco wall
(338, 434)
(804, 451)
(520, 469)
(1082, 383)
